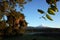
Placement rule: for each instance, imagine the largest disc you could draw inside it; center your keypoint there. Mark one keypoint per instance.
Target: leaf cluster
(51, 10)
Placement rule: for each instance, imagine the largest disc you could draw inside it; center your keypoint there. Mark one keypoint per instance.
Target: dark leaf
(57, 0)
(40, 11)
(49, 17)
(50, 11)
(54, 8)
(49, 1)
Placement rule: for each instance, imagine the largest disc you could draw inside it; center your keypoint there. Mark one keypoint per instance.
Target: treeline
(43, 30)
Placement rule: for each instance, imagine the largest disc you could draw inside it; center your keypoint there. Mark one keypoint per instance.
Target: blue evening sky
(32, 15)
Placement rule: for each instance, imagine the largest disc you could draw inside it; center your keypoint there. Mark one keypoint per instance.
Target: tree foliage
(40, 11)
(15, 22)
(51, 10)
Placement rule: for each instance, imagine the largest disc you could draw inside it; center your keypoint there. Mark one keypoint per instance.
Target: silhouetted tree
(15, 20)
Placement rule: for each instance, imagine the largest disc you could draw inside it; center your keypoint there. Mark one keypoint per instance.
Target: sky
(33, 16)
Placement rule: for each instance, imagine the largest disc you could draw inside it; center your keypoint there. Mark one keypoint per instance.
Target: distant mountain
(42, 29)
(38, 27)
